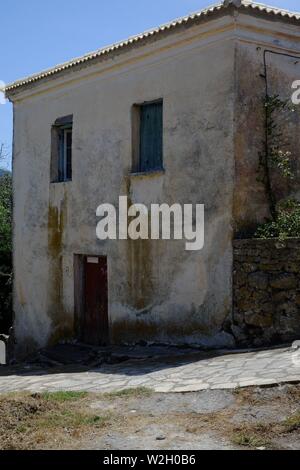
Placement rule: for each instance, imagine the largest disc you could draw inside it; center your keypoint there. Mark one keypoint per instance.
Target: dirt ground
(263, 418)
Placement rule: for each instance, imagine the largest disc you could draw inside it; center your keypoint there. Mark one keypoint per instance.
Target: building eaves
(147, 36)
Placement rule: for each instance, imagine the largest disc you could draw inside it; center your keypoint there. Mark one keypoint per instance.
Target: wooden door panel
(95, 330)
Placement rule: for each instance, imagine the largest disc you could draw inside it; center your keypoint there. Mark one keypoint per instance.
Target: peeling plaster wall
(157, 290)
(250, 206)
(211, 78)
(211, 81)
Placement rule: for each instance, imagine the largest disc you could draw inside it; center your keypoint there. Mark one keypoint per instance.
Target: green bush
(286, 223)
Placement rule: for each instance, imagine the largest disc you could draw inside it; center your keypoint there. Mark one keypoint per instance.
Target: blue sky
(35, 35)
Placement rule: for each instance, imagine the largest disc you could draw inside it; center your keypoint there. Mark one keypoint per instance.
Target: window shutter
(68, 155)
(151, 137)
(60, 155)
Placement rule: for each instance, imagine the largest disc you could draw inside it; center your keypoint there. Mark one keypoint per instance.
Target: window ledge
(150, 173)
(61, 182)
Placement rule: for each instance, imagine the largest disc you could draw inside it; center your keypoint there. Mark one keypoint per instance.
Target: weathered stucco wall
(210, 79)
(266, 283)
(265, 275)
(263, 68)
(157, 290)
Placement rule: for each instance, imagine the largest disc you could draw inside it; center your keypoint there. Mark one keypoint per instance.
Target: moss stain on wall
(62, 324)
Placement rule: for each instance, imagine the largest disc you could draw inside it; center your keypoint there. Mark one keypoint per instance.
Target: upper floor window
(148, 136)
(61, 150)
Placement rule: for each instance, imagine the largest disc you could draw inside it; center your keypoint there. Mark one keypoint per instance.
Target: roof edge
(226, 6)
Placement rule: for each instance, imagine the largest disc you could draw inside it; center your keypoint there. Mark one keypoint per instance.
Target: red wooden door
(95, 325)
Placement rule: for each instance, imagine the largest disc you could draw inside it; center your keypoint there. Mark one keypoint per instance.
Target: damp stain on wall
(62, 322)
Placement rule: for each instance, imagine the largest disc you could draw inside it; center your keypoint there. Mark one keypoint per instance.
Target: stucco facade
(208, 75)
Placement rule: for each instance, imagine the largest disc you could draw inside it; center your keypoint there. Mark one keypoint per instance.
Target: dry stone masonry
(266, 287)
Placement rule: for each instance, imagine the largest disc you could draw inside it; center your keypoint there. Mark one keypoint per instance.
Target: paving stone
(220, 372)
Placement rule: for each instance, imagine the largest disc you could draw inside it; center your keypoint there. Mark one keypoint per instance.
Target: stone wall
(266, 291)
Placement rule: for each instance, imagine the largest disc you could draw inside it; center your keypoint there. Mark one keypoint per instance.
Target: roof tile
(244, 4)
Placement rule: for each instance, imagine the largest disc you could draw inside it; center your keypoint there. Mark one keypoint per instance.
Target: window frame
(136, 138)
(63, 176)
(61, 171)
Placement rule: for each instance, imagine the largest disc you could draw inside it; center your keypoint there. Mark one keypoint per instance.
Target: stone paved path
(180, 374)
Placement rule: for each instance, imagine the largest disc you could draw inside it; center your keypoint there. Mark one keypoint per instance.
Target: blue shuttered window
(61, 149)
(151, 137)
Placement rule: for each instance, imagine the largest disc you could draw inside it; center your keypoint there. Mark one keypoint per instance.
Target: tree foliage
(5, 250)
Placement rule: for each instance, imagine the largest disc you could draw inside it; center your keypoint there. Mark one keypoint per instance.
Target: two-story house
(173, 115)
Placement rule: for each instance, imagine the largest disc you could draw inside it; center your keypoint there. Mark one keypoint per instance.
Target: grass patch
(27, 421)
(138, 392)
(249, 439)
(62, 396)
(292, 423)
(248, 396)
(261, 434)
(253, 435)
(69, 419)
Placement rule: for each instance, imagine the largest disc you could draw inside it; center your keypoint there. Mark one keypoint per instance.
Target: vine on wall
(285, 214)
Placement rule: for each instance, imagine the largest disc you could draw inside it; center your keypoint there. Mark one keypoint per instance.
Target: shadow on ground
(67, 358)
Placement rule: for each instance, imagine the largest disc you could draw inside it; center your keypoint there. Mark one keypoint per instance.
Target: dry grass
(292, 423)
(138, 392)
(254, 436)
(262, 435)
(62, 396)
(26, 421)
(68, 420)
